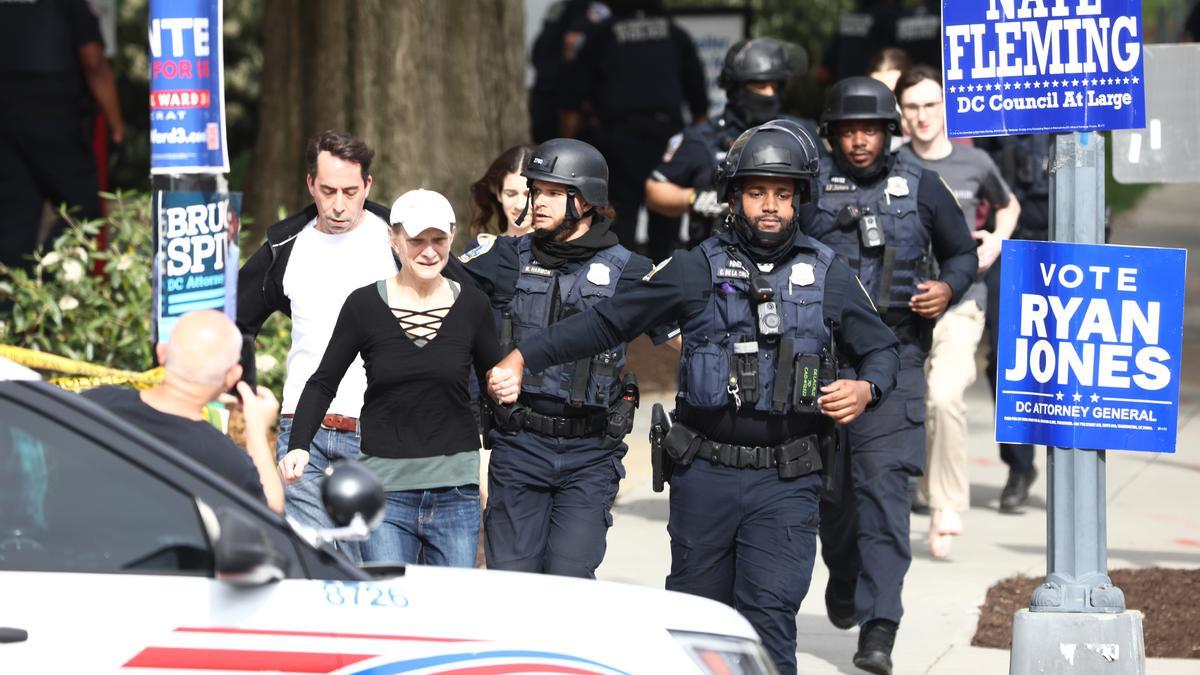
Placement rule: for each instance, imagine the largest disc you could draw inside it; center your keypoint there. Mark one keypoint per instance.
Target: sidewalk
(1153, 514)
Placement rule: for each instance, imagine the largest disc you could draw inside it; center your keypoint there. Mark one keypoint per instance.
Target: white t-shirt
(322, 270)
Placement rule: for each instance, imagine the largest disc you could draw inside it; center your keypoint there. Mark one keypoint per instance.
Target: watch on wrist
(875, 393)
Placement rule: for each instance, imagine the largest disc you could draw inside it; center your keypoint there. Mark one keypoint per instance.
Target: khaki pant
(949, 370)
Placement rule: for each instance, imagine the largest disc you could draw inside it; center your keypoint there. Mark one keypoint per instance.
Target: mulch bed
(1169, 600)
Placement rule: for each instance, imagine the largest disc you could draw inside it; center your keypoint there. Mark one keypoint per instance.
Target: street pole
(1077, 622)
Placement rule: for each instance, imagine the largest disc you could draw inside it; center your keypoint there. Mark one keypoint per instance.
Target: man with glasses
(973, 177)
(889, 219)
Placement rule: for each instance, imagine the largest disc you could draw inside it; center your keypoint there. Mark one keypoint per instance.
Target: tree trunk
(436, 87)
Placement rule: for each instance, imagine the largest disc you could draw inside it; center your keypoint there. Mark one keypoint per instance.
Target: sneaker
(875, 643)
(1016, 490)
(839, 603)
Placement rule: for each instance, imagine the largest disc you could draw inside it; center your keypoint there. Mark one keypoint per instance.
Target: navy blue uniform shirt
(953, 245)
(494, 269)
(680, 287)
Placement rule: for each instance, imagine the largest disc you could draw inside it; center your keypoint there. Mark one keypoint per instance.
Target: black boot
(1016, 490)
(839, 603)
(875, 642)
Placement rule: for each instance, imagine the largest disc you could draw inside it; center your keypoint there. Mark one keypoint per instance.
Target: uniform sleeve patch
(654, 270)
(672, 147)
(485, 244)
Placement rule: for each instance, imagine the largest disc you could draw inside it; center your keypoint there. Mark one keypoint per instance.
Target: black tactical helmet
(352, 489)
(777, 148)
(761, 60)
(860, 98)
(573, 163)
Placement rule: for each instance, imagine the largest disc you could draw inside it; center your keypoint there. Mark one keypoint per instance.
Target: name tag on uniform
(840, 187)
(538, 270)
(733, 273)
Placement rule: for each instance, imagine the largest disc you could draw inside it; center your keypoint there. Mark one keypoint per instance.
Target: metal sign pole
(1077, 622)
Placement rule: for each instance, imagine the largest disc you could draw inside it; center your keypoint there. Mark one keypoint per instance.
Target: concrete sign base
(1074, 643)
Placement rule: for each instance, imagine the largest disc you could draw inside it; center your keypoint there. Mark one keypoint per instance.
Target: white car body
(66, 613)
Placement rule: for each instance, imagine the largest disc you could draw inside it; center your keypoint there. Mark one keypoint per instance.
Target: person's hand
(844, 400)
(933, 299)
(259, 407)
(705, 203)
(504, 380)
(989, 248)
(291, 467)
(504, 385)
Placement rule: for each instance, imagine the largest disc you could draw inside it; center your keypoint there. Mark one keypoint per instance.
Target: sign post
(195, 218)
(1068, 67)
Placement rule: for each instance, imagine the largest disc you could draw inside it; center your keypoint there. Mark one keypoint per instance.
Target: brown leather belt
(336, 422)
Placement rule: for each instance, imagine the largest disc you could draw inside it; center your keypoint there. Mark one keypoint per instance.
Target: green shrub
(62, 308)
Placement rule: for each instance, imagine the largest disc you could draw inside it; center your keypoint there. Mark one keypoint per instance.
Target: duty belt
(762, 457)
(796, 457)
(565, 427)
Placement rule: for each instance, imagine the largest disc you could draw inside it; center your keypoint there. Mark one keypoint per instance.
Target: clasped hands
(504, 379)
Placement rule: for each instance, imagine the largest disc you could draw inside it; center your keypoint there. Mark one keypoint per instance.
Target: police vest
(721, 343)
(544, 296)
(890, 272)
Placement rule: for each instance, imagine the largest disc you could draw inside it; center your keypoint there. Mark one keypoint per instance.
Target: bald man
(201, 362)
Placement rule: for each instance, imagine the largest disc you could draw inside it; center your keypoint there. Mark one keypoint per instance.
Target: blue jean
(302, 499)
(439, 526)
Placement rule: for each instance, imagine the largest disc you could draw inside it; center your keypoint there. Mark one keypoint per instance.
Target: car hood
(542, 598)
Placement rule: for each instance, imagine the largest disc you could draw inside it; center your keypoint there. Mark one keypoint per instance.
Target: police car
(118, 553)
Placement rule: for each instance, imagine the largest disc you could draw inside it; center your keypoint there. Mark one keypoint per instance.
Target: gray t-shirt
(972, 177)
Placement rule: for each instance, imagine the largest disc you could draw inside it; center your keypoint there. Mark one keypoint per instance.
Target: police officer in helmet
(556, 453)
(889, 219)
(764, 311)
(753, 77)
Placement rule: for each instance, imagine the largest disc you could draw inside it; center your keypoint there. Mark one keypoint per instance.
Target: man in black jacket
(310, 262)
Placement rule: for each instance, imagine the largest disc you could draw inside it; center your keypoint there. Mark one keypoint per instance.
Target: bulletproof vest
(722, 343)
(544, 296)
(716, 135)
(641, 70)
(890, 272)
(35, 40)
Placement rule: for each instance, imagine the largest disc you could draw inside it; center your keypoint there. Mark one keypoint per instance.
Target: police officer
(556, 454)
(52, 66)
(1024, 163)
(762, 308)
(753, 77)
(636, 72)
(884, 216)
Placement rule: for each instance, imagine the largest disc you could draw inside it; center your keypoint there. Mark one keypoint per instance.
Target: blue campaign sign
(196, 255)
(1091, 338)
(1032, 66)
(187, 88)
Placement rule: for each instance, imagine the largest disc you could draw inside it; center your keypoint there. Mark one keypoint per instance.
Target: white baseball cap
(419, 210)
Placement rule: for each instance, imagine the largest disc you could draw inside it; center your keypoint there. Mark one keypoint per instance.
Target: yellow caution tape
(93, 375)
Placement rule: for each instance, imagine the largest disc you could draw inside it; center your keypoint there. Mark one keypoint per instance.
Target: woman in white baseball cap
(419, 334)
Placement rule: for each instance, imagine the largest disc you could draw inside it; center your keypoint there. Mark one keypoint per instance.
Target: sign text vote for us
(1090, 345)
(1031, 66)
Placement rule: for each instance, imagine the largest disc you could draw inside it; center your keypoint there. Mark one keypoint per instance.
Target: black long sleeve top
(417, 403)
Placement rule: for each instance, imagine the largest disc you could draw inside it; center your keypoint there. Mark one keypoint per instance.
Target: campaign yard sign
(1090, 343)
(187, 88)
(1034, 66)
(196, 255)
